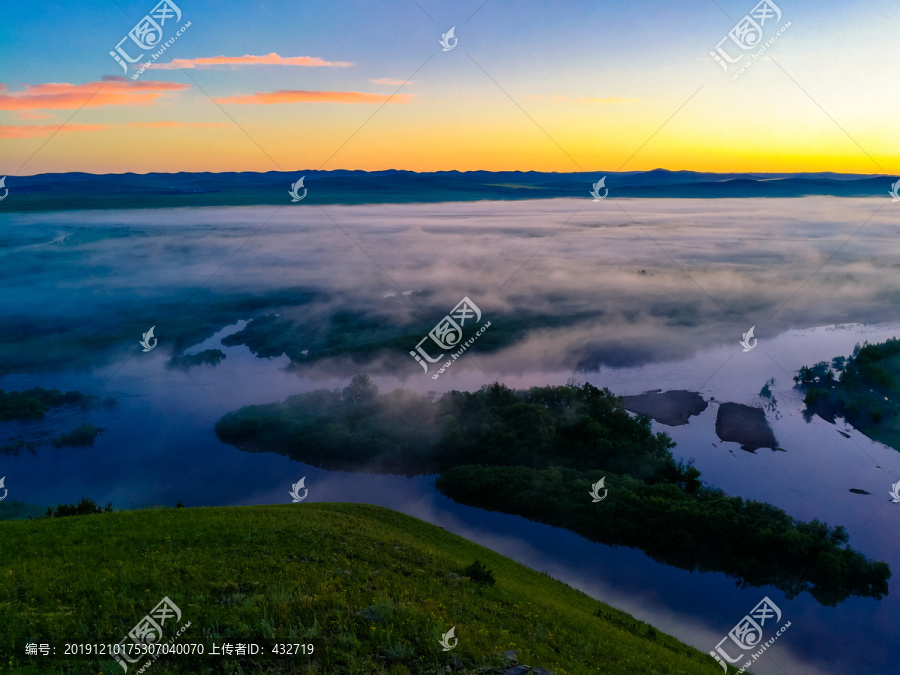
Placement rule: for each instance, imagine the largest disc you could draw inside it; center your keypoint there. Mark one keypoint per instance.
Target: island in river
(33, 405)
(864, 389)
(537, 452)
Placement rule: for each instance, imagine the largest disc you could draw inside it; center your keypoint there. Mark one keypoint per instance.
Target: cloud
(110, 91)
(387, 80)
(249, 60)
(302, 96)
(40, 130)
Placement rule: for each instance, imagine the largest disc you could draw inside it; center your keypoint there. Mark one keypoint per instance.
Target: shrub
(83, 508)
(480, 574)
(83, 436)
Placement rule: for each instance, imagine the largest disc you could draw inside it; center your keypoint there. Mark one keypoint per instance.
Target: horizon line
(593, 172)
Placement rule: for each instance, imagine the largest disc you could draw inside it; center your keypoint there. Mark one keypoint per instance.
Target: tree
(361, 390)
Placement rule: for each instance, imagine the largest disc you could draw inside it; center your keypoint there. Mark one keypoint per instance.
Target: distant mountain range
(70, 191)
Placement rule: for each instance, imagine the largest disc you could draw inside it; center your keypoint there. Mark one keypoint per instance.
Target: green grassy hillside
(371, 589)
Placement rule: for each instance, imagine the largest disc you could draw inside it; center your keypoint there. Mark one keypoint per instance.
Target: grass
(372, 589)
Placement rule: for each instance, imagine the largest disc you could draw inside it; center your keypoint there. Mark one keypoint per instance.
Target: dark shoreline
(83, 191)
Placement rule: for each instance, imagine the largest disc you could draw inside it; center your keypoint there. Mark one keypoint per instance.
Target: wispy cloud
(302, 96)
(387, 80)
(272, 59)
(110, 91)
(41, 130)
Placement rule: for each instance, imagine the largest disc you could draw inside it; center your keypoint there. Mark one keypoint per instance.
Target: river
(640, 295)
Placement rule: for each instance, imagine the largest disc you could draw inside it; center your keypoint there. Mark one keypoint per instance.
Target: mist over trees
(536, 452)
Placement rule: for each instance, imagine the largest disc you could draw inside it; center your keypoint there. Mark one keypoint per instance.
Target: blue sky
(598, 78)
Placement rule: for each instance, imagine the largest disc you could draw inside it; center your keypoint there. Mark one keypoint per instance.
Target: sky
(281, 85)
